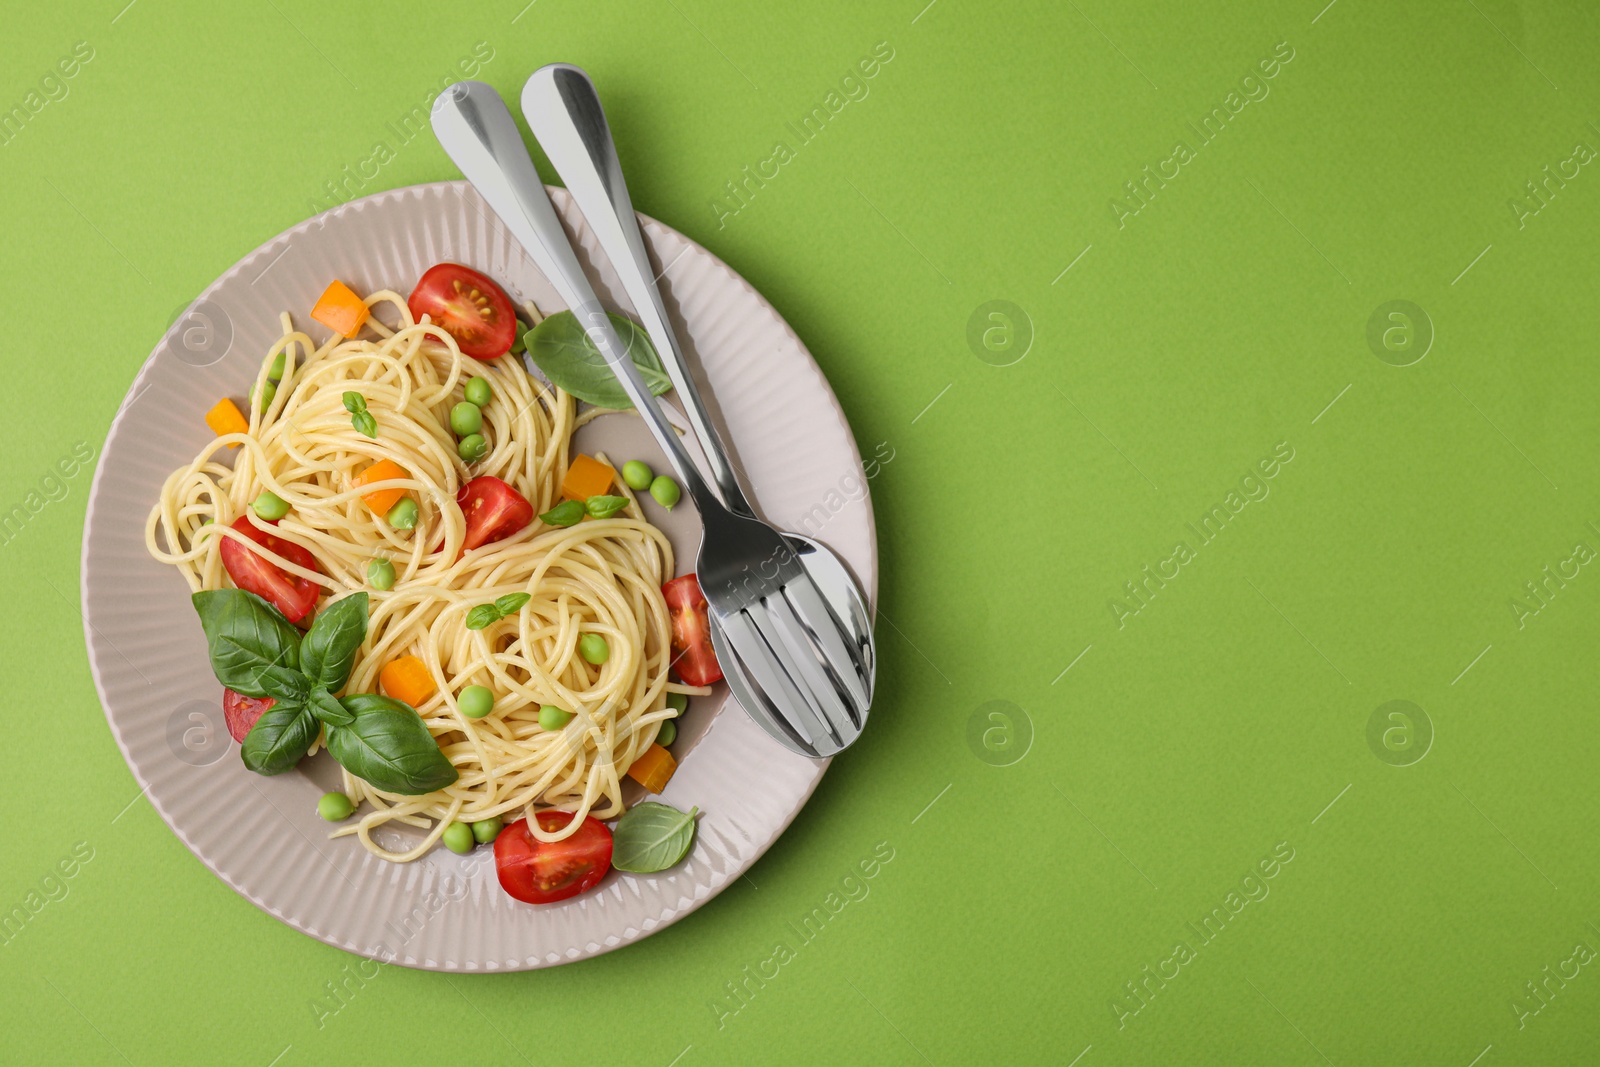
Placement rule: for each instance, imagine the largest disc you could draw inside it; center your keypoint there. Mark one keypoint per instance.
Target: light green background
(1179, 750)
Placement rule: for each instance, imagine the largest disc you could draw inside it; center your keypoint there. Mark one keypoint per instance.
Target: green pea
(476, 701)
(268, 391)
(593, 648)
(473, 447)
(553, 718)
(335, 807)
(270, 506)
(638, 475)
(276, 373)
(666, 491)
(466, 418)
(487, 830)
(458, 838)
(479, 391)
(678, 702)
(403, 516)
(380, 574)
(667, 734)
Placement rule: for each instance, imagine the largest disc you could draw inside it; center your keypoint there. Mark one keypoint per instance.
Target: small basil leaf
(325, 707)
(387, 745)
(245, 636)
(651, 837)
(566, 513)
(511, 603)
(329, 647)
(285, 683)
(355, 403)
(365, 423)
(603, 507)
(483, 615)
(280, 738)
(571, 361)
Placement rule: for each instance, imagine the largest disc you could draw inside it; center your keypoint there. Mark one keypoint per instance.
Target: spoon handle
(563, 111)
(477, 132)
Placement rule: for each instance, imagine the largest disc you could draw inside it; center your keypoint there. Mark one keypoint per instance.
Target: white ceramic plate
(262, 835)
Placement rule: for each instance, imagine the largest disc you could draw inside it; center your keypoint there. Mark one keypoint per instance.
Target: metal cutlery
(804, 673)
(564, 112)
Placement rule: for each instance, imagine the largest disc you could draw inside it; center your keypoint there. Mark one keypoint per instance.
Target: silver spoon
(564, 112)
(806, 680)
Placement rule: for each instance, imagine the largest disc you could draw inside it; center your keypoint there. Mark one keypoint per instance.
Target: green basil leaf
(326, 707)
(284, 683)
(246, 637)
(603, 507)
(483, 615)
(571, 361)
(566, 513)
(511, 603)
(387, 745)
(280, 738)
(651, 837)
(365, 423)
(329, 648)
(355, 403)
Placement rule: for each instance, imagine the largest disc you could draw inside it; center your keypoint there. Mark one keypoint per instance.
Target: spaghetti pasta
(601, 576)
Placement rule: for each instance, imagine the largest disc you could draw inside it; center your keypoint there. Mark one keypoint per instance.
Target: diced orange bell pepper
(407, 679)
(587, 477)
(385, 470)
(341, 310)
(225, 418)
(653, 769)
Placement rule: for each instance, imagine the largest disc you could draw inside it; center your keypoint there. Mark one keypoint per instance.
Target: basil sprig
(651, 837)
(571, 512)
(360, 417)
(256, 651)
(570, 360)
(488, 614)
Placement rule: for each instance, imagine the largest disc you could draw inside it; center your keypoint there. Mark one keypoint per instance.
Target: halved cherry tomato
(493, 510)
(543, 872)
(241, 712)
(289, 593)
(470, 308)
(693, 656)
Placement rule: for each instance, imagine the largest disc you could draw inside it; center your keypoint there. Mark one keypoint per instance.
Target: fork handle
(563, 111)
(477, 132)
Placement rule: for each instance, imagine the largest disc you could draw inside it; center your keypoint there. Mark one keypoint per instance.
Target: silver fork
(784, 639)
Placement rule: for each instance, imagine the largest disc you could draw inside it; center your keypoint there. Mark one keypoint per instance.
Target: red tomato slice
(289, 593)
(543, 872)
(693, 656)
(493, 510)
(470, 307)
(242, 712)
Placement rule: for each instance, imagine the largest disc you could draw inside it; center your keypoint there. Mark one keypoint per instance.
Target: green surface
(1226, 719)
